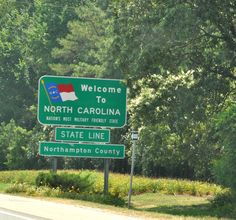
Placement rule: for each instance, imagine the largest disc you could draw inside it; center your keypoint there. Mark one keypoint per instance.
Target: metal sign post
(134, 138)
(106, 175)
(54, 164)
(54, 159)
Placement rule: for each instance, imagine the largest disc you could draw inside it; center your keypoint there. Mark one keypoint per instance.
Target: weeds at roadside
(118, 188)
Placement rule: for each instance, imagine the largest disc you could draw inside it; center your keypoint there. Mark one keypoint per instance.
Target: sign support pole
(54, 164)
(106, 175)
(54, 159)
(131, 173)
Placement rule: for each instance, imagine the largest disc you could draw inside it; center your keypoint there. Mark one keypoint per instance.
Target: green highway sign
(60, 149)
(81, 101)
(82, 135)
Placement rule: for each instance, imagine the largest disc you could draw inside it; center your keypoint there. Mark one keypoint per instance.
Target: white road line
(15, 215)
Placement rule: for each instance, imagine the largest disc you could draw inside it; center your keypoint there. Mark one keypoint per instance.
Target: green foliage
(175, 135)
(225, 168)
(19, 176)
(82, 51)
(88, 186)
(17, 188)
(92, 183)
(178, 58)
(33, 191)
(3, 187)
(175, 36)
(65, 181)
(19, 147)
(28, 33)
(191, 207)
(171, 186)
(223, 198)
(119, 186)
(14, 143)
(14, 72)
(225, 202)
(97, 198)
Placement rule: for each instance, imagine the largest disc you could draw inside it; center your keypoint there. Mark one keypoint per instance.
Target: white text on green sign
(60, 149)
(82, 135)
(82, 102)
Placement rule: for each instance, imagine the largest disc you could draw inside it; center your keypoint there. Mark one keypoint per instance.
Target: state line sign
(61, 149)
(81, 102)
(82, 135)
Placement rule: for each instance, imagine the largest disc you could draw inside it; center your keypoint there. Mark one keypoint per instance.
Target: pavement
(21, 208)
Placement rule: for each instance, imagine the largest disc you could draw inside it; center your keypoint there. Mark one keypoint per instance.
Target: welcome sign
(81, 102)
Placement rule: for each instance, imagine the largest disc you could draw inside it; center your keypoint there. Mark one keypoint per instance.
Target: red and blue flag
(60, 92)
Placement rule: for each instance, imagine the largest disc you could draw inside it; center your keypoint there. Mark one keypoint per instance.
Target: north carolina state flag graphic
(67, 92)
(61, 92)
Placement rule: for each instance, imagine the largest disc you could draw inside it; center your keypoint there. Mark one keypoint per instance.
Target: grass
(179, 205)
(158, 198)
(4, 187)
(139, 208)
(119, 184)
(152, 200)
(20, 176)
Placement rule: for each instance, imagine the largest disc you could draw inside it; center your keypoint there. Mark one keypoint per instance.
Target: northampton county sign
(81, 102)
(60, 149)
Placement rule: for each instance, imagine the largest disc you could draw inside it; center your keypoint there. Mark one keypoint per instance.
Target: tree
(54, 17)
(19, 147)
(225, 128)
(177, 58)
(175, 35)
(28, 33)
(14, 144)
(82, 51)
(175, 135)
(16, 91)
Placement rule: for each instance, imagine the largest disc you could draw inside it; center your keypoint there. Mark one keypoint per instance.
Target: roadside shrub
(119, 186)
(223, 198)
(92, 182)
(65, 181)
(17, 188)
(225, 203)
(48, 192)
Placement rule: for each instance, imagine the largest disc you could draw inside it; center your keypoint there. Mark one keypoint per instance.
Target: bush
(64, 181)
(92, 182)
(225, 203)
(17, 188)
(223, 198)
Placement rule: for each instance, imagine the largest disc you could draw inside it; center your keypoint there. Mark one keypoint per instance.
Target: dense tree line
(177, 57)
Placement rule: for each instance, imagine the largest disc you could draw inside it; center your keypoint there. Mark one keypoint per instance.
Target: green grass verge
(152, 200)
(179, 205)
(119, 184)
(4, 187)
(18, 176)
(176, 199)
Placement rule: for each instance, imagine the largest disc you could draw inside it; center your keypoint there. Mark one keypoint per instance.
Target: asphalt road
(21, 208)
(6, 214)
